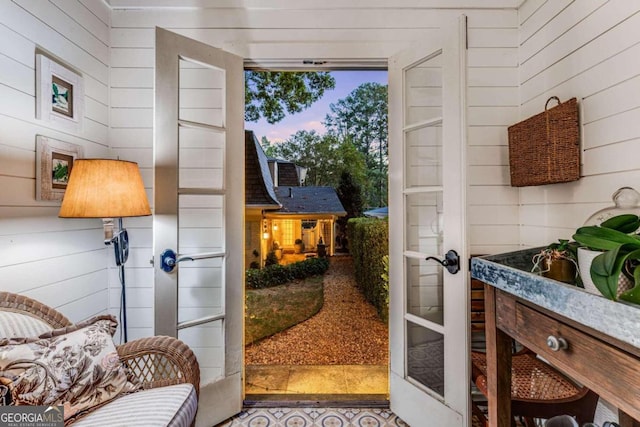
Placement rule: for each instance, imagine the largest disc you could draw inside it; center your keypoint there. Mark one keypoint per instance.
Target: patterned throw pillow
(76, 366)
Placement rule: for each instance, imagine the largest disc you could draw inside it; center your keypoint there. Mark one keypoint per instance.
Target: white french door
(429, 318)
(198, 212)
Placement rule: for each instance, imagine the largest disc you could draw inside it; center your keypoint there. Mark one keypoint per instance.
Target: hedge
(368, 244)
(277, 274)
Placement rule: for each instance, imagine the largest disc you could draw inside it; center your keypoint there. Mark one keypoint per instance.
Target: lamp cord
(123, 304)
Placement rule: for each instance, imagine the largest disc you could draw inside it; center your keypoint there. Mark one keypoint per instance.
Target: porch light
(265, 235)
(107, 189)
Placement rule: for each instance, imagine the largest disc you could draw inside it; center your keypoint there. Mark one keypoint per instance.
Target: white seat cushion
(15, 325)
(173, 406)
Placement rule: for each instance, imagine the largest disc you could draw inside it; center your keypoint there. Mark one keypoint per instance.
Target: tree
(350, 195)
(362, 118)
(273, 94)
(324, 156)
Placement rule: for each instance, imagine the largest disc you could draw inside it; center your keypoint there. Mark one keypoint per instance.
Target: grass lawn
(271, 310)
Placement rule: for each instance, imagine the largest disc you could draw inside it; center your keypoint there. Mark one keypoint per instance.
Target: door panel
(424, 156)
(423, 90)
(425, 357)
(201, 96)
(198, 221)
(428, 304)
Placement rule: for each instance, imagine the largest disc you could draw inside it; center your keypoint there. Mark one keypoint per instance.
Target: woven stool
(538, 390)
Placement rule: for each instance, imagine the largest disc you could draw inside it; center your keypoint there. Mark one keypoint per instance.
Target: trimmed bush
(271, 259)
(277, 274)
(369, 243)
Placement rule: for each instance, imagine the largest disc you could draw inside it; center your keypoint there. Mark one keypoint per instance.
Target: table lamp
(107, 189)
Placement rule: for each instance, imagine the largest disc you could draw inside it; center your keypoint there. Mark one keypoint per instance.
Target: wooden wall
(588, 49)
(62, 262)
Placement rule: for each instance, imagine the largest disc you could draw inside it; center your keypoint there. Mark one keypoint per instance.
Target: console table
(592, 339)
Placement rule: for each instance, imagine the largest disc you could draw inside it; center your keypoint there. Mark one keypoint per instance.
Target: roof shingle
(258, 184)
(309, 200)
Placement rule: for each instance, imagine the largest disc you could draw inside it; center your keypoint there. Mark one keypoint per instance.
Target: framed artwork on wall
(54, 162)
(59, 94)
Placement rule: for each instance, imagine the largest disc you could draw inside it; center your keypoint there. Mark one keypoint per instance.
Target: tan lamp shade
(101, 188)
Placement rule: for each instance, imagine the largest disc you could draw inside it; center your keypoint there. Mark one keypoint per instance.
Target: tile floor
(315, 417)
(339, 384)
(312, 379)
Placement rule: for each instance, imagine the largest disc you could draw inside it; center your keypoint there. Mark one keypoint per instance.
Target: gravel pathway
(346, 331)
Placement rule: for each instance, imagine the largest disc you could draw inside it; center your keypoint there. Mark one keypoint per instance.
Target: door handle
(169, 258)
(451, 261)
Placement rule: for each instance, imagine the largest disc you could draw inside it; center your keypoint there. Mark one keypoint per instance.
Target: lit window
(287, 232)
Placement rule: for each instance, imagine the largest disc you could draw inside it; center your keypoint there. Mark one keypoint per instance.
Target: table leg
(626, 420)
(498, 365)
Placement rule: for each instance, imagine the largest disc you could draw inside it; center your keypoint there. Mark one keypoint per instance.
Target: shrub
(369, 240)
(271, 259)
(277, 274)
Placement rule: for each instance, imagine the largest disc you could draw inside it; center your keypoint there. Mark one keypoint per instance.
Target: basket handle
(547, 103)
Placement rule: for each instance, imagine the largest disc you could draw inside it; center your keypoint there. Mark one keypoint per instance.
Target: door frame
(238, 220)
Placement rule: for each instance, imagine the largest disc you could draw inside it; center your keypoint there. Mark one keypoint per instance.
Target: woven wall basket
(545, 148)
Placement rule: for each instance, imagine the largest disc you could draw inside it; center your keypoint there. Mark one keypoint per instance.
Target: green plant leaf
(604, 263)
(626, 223)
(607, 285)
(606, 268)
(602, 238)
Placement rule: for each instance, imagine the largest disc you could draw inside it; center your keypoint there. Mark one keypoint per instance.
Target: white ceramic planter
(585, 258)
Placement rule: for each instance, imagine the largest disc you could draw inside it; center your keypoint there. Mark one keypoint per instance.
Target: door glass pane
(425, 357)
(200, 282)
(424, 222)
(201, 94)
(423, 156)
(201, 158)
(423, 90)
(424, 290)
(207, 342)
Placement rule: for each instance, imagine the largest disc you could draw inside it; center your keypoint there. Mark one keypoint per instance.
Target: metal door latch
(451, 261)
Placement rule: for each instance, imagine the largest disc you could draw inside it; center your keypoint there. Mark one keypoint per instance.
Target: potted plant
(322, 248)
(298, 246)
(619, 244)
(277, 250)
(558, 261)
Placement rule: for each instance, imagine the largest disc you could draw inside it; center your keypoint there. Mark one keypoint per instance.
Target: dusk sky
(312, 118)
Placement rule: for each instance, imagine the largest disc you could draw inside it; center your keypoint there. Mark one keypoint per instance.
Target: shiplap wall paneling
(588, 50)
(61, 262)
(493, 104)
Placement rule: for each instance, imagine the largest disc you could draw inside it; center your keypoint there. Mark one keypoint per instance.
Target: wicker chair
(153, 362)
(538, 390)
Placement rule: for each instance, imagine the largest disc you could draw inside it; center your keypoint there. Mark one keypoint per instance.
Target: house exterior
(279, 210)
(518, 54)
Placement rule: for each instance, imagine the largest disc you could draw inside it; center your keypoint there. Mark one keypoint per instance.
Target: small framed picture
(54, 162)
(59, 94)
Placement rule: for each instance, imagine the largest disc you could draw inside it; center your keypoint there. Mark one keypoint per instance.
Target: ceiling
(317, 4)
